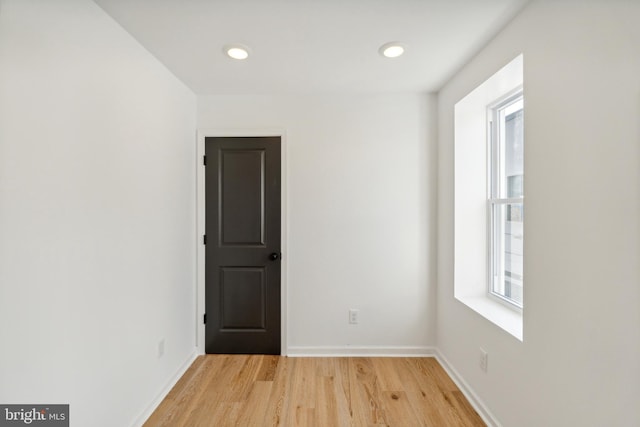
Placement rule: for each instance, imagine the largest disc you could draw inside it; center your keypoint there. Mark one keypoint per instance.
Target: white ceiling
(312, 46)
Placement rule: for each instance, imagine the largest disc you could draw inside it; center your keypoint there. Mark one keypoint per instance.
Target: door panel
(242, 196)
(242, 287)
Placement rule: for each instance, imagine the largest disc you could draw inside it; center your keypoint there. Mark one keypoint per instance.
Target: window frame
(495, 169)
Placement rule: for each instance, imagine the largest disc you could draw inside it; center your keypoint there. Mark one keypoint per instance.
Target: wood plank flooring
(239, 390)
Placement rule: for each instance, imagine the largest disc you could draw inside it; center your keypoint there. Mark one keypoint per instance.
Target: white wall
(97, 214)
(361, 193)
(579, 363)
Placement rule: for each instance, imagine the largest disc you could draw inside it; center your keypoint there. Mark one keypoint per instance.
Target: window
(506, 198)
(489, 198)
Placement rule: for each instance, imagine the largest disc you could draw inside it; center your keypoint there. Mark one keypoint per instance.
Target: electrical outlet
(161, 348)
(484, 360)
(354, 316)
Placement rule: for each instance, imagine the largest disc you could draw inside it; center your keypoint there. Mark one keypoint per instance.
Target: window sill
(507, 319)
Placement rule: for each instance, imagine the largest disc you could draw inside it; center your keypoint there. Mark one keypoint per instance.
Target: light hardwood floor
(238, 390)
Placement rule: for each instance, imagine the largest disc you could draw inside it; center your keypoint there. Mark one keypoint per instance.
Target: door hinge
(204, 160)
(205, 318)
(204, 239)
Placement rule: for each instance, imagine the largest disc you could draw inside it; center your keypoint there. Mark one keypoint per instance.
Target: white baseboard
(468, 392)
(352, 351)
(167, 388)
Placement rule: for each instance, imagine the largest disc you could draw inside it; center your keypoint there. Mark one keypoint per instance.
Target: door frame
(200, 227)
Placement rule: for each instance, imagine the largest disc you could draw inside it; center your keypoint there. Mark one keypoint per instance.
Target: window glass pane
(512, 151)
(507, 245)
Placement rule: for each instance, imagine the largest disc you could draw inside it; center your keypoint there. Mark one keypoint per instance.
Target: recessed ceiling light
(236, 51)
(391, 49)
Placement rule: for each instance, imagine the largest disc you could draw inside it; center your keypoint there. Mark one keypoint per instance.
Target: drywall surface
(361, 215)
(97, 214)
(579, 363)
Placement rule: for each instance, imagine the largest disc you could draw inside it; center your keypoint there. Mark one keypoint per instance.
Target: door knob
(274, 256)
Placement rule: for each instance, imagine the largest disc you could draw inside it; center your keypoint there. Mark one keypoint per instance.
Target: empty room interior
(377, 197)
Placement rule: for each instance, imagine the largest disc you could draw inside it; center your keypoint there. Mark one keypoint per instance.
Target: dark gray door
(243, 245)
